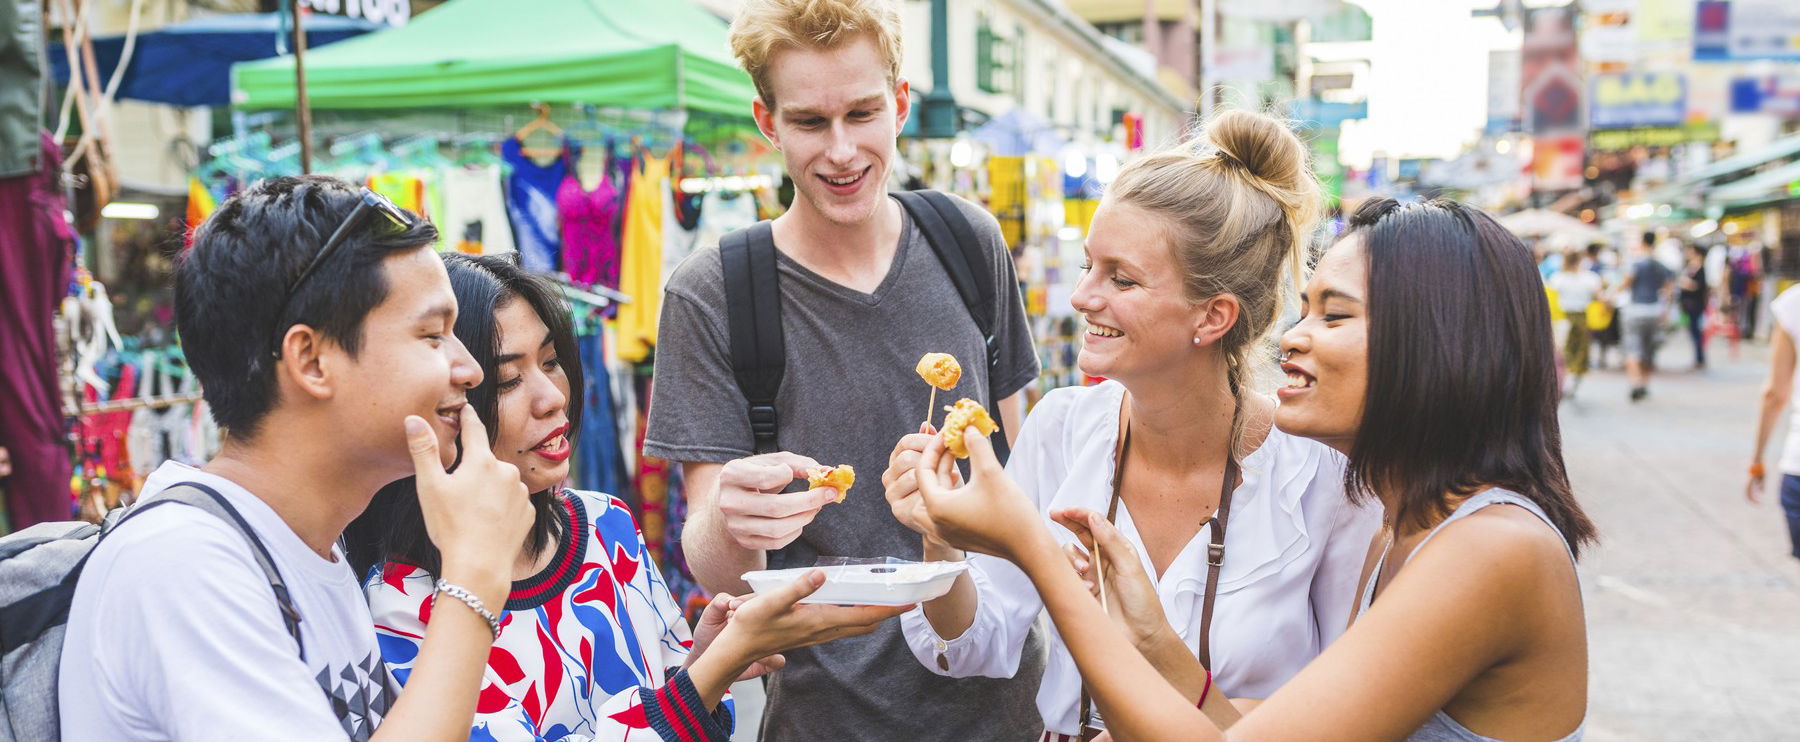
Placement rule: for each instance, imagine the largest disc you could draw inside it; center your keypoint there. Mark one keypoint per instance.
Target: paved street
(1693, 603)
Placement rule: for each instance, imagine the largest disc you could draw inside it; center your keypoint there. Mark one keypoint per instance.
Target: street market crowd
(384, 547)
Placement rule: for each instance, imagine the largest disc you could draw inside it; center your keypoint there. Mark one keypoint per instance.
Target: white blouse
(1293, 555)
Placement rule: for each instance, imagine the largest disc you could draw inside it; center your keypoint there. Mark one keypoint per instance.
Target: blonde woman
(1252, 546)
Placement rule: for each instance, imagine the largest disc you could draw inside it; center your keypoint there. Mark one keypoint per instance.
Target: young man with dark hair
(862, 296)
(318, 321)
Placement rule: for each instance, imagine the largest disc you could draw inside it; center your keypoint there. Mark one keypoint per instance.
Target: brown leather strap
(1215, 558)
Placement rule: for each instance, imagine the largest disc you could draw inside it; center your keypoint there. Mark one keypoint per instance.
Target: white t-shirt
(174, 632)
(1575, 290)
(1786, 309)
(1293, 556)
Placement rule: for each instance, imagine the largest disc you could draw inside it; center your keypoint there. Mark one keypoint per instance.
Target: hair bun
(1262, 145)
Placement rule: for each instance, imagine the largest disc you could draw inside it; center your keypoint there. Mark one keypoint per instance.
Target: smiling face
(409, 363)
(1327, 351)
(1132, 295)
(835, 121)
(532, 393)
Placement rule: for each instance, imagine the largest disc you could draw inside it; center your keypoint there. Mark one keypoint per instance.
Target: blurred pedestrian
(1693, 299)
(1743, 288)
(1604, 262)
(1577, 288)
(1647, 285)
(1780, 389)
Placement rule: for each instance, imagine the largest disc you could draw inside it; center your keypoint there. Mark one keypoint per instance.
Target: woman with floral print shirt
(591, 646)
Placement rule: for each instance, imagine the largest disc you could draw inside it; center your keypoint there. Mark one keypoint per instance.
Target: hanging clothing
(531, 205)
(200, 205)
(724, 212)
(687, 591)
(641, 265)
(681, 227)
(474, 220)
(21, 88)
(590, 242)
(599, 465)
(406, 190)
(652, 475)
(35, 248)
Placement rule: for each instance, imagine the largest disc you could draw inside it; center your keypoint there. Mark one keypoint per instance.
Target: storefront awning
(188, 63)
(471, 53)
(1761, 187)
(1778, 149)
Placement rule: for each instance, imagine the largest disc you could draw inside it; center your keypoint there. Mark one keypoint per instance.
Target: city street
(1693, 602)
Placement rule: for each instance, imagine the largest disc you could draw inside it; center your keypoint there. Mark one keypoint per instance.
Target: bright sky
(1428, 96)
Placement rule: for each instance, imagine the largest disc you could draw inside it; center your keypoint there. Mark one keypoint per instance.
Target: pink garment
(589, 235)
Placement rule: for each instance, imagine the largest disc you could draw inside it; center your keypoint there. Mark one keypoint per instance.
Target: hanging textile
(653, 475)
(687, 591)
(475, 220)
(36, 245)
(590, 242)
(103, 454)
(599, 464)
(531, 205)
(200, 205)
(641, 265)
(681, 227)
(724, 212)
(407, 191)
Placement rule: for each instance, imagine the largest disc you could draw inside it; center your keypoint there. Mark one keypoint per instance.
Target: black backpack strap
(208, 499)
(953, 239)
(753, 317)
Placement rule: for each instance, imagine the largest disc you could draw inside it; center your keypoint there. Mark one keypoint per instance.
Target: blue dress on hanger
(531, 205)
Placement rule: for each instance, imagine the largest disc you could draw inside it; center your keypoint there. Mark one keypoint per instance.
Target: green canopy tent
(667, 54)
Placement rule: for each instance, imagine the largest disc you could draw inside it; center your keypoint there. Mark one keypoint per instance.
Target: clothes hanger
(541, 123)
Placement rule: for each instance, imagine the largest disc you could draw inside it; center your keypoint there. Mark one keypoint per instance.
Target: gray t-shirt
(1648, 279)
(849, 393)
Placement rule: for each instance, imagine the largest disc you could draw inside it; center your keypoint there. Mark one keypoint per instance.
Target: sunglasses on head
(393, 217)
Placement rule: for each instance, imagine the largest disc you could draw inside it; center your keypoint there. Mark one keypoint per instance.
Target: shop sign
(1243, 64)
(1607, 36)
(390, 12)
(1551, 87)
(1637, 99)
(1323, 114)
(1741, 30)
(1557, 163)
(1653, 136)
(1778, 94)
(1503, 91)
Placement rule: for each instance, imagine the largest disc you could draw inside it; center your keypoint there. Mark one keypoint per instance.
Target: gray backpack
(38, 570)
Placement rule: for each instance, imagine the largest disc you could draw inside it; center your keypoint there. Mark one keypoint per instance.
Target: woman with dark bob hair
(1423, 353)
(590, 645)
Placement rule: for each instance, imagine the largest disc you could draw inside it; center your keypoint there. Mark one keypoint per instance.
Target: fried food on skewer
(967, 413)
(842, 477)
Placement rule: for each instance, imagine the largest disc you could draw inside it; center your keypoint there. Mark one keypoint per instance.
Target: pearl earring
(1196, 341)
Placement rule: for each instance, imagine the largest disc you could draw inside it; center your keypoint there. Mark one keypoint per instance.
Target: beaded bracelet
(474, 603)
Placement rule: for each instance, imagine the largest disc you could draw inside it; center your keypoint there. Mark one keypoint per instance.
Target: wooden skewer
(932, 405)
(1099, 574)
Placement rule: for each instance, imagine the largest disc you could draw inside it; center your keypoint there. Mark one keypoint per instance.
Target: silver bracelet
(474, 603)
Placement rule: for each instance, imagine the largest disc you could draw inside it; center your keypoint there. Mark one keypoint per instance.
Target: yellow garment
(1599, 314)
(406, 191)
(641, 260)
